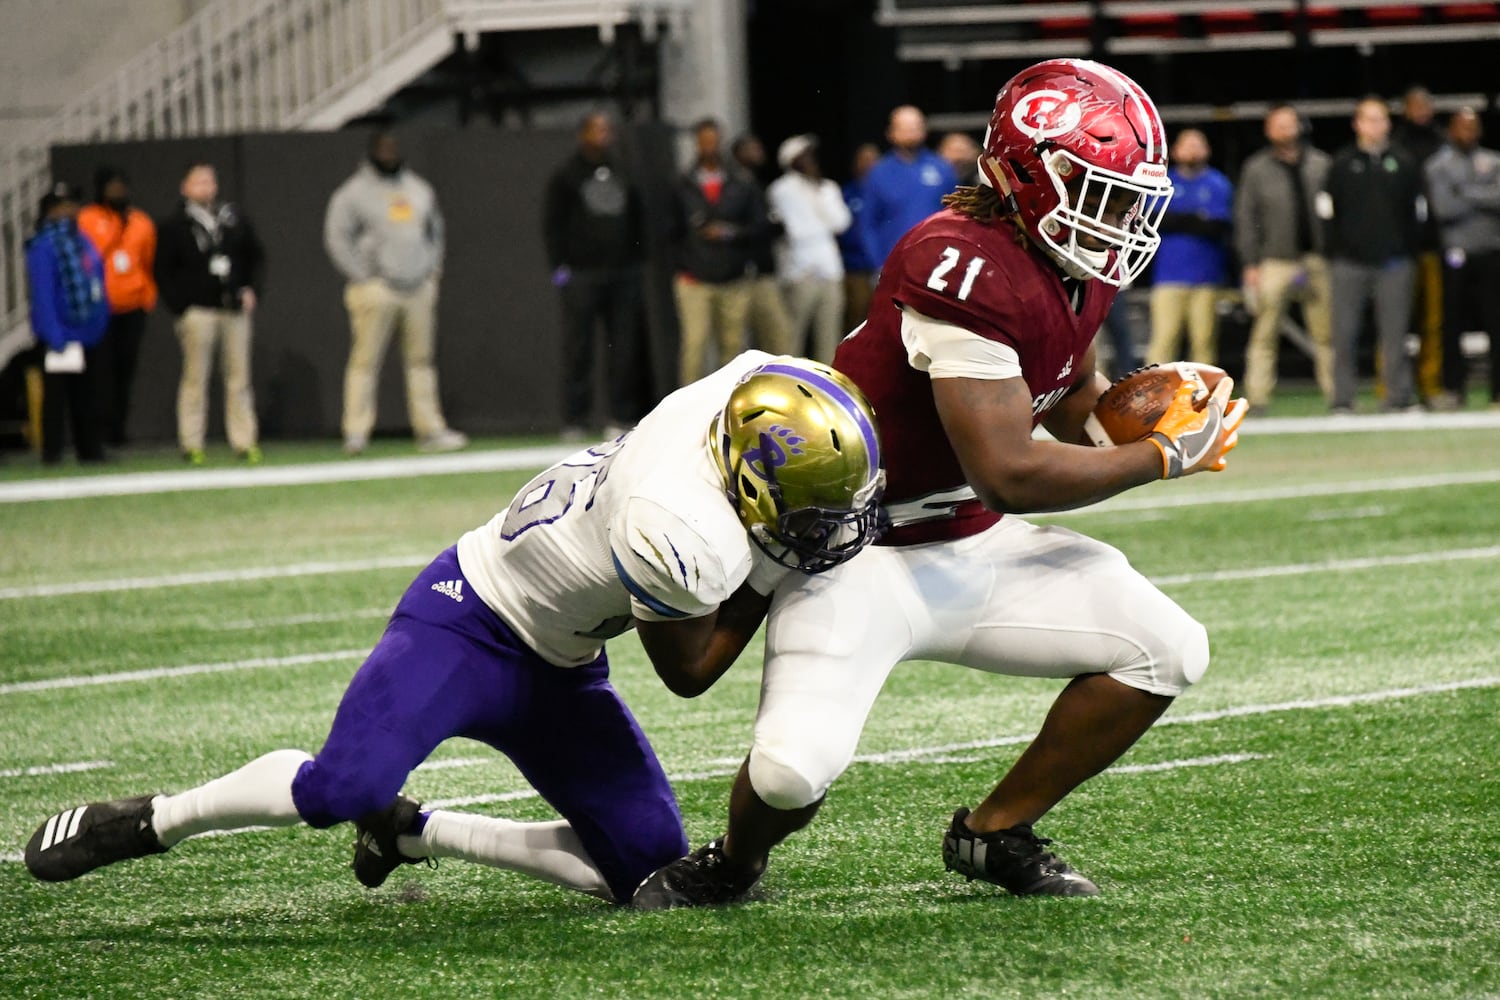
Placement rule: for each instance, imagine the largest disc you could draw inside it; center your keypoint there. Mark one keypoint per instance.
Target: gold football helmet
(800, 455)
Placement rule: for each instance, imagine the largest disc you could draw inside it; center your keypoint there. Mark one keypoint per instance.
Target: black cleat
(1017, 860)
(375, 853)
(704, 878)
(76, 841)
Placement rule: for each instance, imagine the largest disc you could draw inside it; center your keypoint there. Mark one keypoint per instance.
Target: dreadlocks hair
(978, 201)
(982, 203)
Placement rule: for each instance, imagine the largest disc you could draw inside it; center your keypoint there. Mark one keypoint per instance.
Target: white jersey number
(938, 282)
(553, 493)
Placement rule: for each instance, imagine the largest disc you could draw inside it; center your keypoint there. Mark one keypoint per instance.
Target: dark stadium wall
(498, 316)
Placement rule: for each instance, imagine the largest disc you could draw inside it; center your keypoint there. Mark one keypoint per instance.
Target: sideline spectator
(592, 225)
(906, 185)
(384, 233)
(962, 155)
(208, 266)
(1464, 182)
(1419, 136)
(770, 321)
(1119, 327)
(1193, 261)
(1371, 205)
(811, 273)
(126, 239)
(69, 314)
(859, 266)
(1280, 246)
(718, 210)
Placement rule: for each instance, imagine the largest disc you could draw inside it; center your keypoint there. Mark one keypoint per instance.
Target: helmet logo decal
(772, 453)
(1045, 114)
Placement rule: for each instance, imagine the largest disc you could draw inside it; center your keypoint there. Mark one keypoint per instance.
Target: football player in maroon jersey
(981, 329)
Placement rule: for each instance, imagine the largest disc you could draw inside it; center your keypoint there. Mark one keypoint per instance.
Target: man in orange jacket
(126, 239)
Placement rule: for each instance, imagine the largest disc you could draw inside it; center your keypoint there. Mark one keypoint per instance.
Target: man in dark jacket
(208, 267)
(1370, 208)
(593, 231)
(720, 211)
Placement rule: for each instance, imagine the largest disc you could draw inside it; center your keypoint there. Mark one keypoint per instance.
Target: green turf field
(1319, 818)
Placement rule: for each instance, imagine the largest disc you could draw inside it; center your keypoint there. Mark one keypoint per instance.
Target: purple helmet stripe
(840, 396)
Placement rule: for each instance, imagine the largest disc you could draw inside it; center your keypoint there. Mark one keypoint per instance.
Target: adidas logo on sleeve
(450, 588)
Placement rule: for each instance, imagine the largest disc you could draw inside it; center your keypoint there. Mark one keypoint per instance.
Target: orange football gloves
(1193, 440)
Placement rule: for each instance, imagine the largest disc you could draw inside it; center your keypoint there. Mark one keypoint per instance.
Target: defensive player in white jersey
(981, 328)
(680, 528)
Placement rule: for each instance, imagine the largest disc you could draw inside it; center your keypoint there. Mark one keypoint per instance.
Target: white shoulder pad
(943, 350)
(675, 564)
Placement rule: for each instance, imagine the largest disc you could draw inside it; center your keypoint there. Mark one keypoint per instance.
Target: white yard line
(342, 471)
(939, 752)
(158, 673)
(540, 456)
(1251, 573)
(82, 765)
(215, 576)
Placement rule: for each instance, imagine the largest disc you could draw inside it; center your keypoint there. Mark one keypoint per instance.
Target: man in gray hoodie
(384, 233)
(1463, 179)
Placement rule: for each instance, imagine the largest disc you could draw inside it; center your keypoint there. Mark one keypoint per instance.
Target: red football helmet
(1080, 154)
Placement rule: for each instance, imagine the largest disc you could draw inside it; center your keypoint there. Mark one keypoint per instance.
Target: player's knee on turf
(783, 784)
(325, 796)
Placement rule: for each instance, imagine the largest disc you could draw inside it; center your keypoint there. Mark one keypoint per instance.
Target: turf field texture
(1320, 817)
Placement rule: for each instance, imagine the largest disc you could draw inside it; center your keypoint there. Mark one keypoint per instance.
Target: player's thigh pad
(830, 644)
(1044, 601)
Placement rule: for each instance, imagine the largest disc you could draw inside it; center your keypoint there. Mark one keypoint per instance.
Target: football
(1132, 405)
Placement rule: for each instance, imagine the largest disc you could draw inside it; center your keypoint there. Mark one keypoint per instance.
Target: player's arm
(1065, 420)
(988, 422)
(691, 654)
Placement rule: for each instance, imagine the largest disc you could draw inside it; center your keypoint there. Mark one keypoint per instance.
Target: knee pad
(781, 785)
(1170, 662)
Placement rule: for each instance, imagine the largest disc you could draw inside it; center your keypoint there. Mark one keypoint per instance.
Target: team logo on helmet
(1045, 114)
(772, 453)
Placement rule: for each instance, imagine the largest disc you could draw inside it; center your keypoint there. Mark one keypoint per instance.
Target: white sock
(551, 851)
(258, 794)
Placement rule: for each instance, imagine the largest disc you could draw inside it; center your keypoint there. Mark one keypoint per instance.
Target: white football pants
(1016, 599)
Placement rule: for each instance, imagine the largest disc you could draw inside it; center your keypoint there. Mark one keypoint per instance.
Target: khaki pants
(1429, 324)
(376, 310)
(1172, 306)
(770, 323)
(1278, 286)
(197, 331)
(703, 309)
(817, 308)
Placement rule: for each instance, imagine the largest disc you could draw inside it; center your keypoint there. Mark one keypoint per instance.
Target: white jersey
(639, 527)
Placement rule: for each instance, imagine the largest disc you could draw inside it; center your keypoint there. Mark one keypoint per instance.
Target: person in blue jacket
(69, 314)
(906, 186)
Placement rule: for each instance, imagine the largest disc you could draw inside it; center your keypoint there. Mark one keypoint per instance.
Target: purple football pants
(445, 668)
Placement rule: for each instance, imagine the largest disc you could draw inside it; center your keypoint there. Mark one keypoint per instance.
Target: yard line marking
(343, 471)
(1353, 513)
(925, 753)
(1117, 504)
(156, 673)
(1195, 498)
(1332, 701)
(1172, 765)
(539, 456)
(246, 574)
(1328, 566)
(83, 765)
(445, 765)
(1249, 573)
(309, 619)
